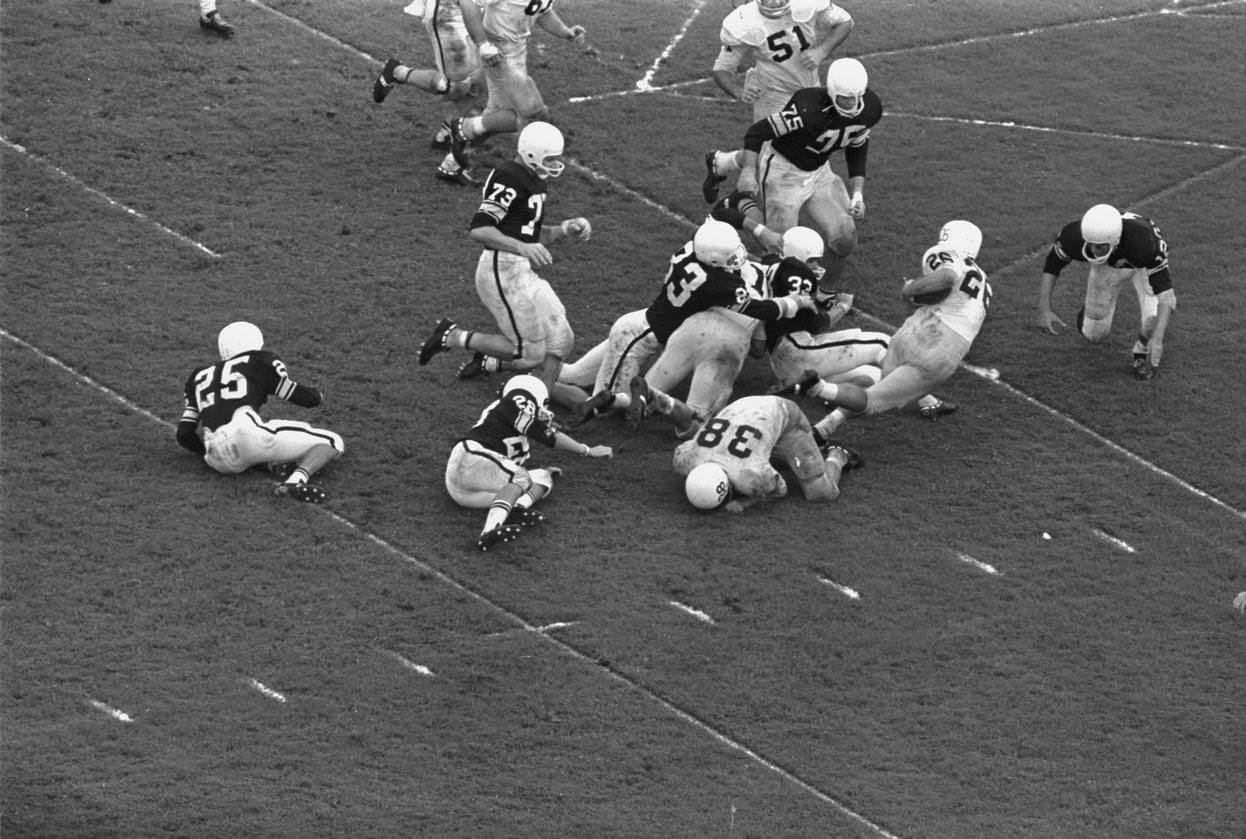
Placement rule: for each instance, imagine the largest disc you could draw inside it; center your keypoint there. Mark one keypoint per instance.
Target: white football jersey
(964, 309)
(511, 20)
(776, 44)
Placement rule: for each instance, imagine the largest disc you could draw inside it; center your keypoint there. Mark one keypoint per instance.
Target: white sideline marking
(645, 81)
(1051, 27)
(696, 613)
(266, 690)
(844, 590)
(115, 713)
(1113, 541)
(317, 33)
(449, 581)
(977, 563)
(407, 663)
(130, 211)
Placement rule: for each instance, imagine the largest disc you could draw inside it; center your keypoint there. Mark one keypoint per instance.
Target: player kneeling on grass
(728, 463)
(486, 467)
(221, 419)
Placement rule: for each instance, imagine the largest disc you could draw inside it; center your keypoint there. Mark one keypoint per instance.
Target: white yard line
(130, 211)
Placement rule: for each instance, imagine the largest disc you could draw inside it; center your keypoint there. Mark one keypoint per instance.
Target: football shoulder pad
(745, 26)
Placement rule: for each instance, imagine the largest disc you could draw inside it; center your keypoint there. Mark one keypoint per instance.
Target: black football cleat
(384, 82)
(709, 186)
(595, 406)
(474, 367)
(459, 177)
(214, 23)
(525, 517)
(638, 388)
(458, 143)
(938, 408)
(436, 342)
(1144, 371)
(852, 458)
(441, 139)
(309, 493)
(499, 535)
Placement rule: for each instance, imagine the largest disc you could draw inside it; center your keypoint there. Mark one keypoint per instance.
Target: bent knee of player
(1095, 329)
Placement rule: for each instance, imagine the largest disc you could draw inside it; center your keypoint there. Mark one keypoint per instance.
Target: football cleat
(709, 186)
(461, 177)
(441, 140)
(474, 367)
(501, 534)
(310, 493)
(808, 381)
(384, 82)
(852, 459)
(458, 143)
(639, 390)
(595, 406)
(214, 23)
(937, 408)
(436, 342)
(1143, 369)
(282, 470)
(525, 517)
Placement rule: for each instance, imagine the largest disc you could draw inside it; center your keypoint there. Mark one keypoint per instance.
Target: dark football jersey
(513, 201)
(249, 378)
(692, 287)
(507, 424)
(809, 130)
(791, 276)
(1142, 245)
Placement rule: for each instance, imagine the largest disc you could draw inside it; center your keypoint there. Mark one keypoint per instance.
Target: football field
(1015, 622)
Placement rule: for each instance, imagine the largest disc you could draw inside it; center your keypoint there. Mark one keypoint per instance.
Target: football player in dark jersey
(486, 466)
(710, 271)
(510, 224)
(221, 420)
(786, 159)
(1118, 247)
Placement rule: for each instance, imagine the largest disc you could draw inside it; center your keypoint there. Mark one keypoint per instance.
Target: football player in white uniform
(728, 463)
(1119, 247)
(952, 298)
(486, 466)
(501, 30)
(457, 74)
(787, 42)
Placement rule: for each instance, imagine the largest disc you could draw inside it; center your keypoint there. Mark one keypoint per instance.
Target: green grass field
(185, 655)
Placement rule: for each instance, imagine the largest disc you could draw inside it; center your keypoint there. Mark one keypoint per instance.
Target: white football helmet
(804, 243)
(1101, 228)
(964, 237)
(717, 244)
(774, 8)
(529, 384)
(237, 338)
(540, 147)
(707, 486)
(846, 81)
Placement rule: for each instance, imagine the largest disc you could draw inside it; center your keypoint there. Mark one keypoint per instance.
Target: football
(931, 297)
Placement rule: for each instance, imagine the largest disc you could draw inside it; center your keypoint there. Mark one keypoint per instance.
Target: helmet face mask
(846, 81)
(718, 245)
(707, 487)
(1101, 229)
(528, 384)
(540, 147)
(237, 338)
(773, 8)
(962, 236)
